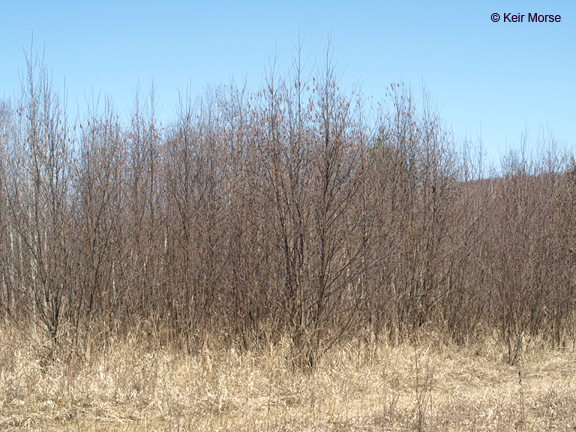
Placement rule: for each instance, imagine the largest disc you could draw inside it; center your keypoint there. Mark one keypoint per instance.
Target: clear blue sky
(490, 79)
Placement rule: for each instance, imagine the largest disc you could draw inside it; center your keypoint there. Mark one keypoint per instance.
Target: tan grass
(356, 387)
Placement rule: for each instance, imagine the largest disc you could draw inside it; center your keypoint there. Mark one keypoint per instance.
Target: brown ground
(356, 387)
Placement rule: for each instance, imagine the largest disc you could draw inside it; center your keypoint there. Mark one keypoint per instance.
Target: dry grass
(357, 387)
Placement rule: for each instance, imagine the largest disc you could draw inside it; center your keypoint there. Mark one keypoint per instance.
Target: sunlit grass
(358, 386)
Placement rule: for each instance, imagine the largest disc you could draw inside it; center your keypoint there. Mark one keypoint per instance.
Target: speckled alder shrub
(291, 211)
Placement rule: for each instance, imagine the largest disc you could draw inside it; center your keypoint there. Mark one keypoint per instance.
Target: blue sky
(494, 80)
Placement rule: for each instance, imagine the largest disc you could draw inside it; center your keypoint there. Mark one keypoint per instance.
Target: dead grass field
(356, 387)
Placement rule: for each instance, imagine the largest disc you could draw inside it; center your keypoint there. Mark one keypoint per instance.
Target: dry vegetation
(280, 260)
(359, 386)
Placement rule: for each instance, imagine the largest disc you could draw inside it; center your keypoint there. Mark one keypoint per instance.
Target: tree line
(290, 211)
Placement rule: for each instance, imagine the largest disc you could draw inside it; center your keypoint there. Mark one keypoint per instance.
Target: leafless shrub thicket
(282, 212)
